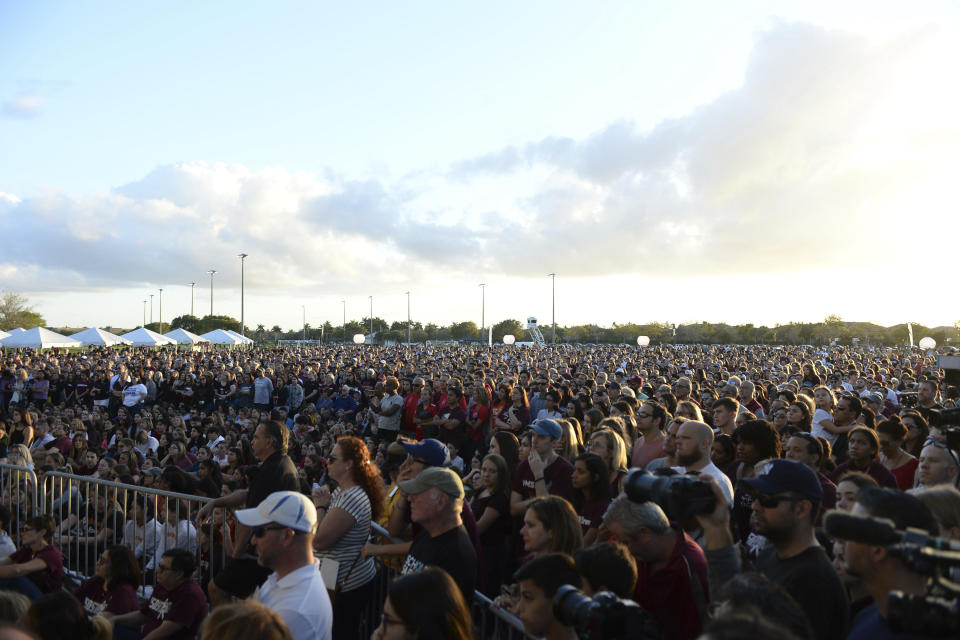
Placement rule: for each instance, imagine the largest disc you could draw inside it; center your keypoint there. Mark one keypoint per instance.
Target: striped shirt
(346, 550)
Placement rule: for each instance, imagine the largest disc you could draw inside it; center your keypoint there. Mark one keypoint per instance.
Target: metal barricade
(494, 622)
(92, 514)
(490, 622)
(18, 491)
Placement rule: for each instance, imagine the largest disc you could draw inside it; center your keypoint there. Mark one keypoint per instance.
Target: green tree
(466, 329)
(209, 323)
(14, 312)
(510, 326)
(186, 322)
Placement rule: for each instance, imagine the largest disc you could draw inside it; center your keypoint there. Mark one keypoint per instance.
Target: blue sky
(371, 149)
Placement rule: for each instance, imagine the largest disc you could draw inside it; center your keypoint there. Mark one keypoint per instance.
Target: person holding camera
(672, 581)
(881, 569)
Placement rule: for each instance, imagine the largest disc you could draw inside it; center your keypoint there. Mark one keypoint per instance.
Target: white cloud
(767, 178)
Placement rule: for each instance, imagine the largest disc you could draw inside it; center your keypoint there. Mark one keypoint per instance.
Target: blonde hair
(246, 620)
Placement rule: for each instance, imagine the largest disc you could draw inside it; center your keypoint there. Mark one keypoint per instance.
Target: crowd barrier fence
(18, 491)
(92, 514)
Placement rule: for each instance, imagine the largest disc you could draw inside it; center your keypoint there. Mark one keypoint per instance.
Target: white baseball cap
(287, 508)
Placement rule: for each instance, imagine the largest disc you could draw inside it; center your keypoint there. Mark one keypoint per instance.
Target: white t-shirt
(817, 429)
(134, 394)
(301, 599)
(713, 470)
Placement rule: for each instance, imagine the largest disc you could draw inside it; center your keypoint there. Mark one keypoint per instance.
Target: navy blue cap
(433, 451)
(783, 476)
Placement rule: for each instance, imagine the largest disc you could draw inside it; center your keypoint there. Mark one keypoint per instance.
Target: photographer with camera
(672, 583)
(881, 569)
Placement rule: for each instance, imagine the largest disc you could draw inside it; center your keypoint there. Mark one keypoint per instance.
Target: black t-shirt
(276, 473)
(451, 551)
(811, 580)
(498, 531)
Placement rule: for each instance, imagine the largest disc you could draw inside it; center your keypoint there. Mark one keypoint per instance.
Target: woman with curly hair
(344, 526)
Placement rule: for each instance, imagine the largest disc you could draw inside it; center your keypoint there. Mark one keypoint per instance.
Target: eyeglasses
(386, 621)
(770, 501)
(262, 531)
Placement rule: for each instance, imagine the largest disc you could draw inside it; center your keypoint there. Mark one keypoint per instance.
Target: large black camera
(680, 497)
(605, 617)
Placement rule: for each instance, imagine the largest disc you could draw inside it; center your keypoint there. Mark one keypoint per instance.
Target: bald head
(698, 431)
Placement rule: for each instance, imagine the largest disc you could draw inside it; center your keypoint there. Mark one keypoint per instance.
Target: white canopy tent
(219, 336)
(94, 337)
(4, 334)
(143, 337)
(182, 336)
(38, 338)
(243, 339)
(14, 332)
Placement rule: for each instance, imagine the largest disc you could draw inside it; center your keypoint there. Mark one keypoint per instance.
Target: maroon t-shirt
(186, 605)
(558, 476)
(49, 579)
(591, 514)
(669, 593)
(119, 600)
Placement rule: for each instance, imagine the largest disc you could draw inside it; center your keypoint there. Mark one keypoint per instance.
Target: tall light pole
(242, 256)
(192, 285)
(408, 317)
(371, 313)
(553, 304)
(344, 320)
(161, 310)
(151, 308)
(483, 307)
(144, 313)
(304, 321)
(211, 272)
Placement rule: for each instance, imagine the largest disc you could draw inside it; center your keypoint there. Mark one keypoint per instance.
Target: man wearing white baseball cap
(283, 528)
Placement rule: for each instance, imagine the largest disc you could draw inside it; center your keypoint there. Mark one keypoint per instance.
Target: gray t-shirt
(390, 423)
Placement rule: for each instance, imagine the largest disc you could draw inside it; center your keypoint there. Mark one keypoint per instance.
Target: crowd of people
(498, 473)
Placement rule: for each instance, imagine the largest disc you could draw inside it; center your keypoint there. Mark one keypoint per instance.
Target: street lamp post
(144, 313)
(483, 307)
(344, 320)
(192, 285)
(151, 308)
(161, 310)
(408, 317)
(553, 304)
(242, 256)
(211, 272)
(371, 313)
(304, 322)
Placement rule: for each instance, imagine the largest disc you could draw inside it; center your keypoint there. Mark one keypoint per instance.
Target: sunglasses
(770, 501)
(940, 444)
(262, 531)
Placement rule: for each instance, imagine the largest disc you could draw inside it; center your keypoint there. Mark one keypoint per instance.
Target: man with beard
(694, 441)
(881, 569)
(785, 506)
